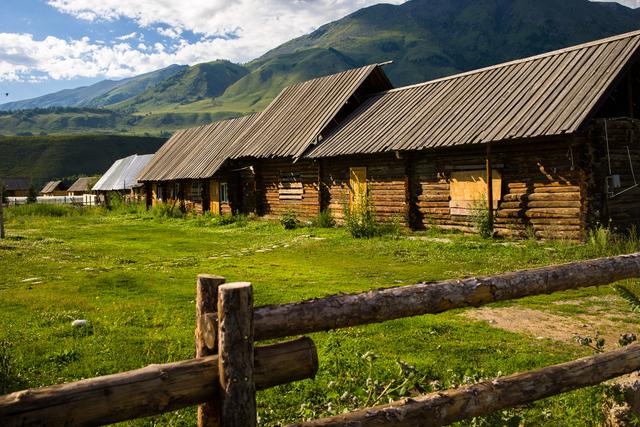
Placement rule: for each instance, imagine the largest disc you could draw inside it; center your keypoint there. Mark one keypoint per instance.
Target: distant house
(547, 145)
(82, 186)
(54, 188)
(16, 186)
(121, 178)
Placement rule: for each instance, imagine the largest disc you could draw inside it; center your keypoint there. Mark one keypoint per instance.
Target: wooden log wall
(542, 189)
(621, 210)
(272, 202)
(387, 182)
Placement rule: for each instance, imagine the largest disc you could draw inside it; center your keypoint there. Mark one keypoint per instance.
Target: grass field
(132, 276)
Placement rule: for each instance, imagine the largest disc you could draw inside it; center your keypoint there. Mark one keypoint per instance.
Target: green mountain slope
(100, 94)
(191, 84)
(45, 158)
(426, 39)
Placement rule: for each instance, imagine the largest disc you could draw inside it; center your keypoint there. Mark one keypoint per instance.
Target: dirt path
(542, 324)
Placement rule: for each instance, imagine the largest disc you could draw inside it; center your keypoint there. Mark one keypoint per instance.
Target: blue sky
(49, 45)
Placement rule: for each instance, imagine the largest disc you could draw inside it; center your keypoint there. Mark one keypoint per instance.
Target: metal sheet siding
(549, 94)
(122, 175)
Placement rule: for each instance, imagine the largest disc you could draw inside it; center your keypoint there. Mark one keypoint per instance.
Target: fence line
(224, 383)
(446, 407)
(340, 311)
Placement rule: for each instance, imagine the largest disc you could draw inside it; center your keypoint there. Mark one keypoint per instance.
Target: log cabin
(546, 146)
(551, 141)
(120, 180)
(82, 186)
(254, 164)
(15, 186)
(54, 188)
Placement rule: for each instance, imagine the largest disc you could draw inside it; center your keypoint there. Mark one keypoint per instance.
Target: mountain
(100, 94)
(426, 39)
(49, 157)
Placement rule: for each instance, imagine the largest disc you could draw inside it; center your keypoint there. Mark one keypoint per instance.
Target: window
(224, 192)
(468, 190)
(290, 186)
(195, 192)
(159, 194)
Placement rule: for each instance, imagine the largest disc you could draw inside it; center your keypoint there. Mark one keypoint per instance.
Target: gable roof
(122, 175)
(16, 183)
(52, 186)
(197, 152)
(296, 117)
(545, 95)
(82, 184)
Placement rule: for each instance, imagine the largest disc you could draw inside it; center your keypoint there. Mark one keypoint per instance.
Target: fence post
(205, 337)
(235, 355)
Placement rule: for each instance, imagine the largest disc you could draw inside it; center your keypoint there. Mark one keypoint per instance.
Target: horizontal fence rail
(446, 407)
(151, 390)
(340, 311)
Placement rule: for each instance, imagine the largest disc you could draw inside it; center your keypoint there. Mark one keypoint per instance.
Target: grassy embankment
(132, 277)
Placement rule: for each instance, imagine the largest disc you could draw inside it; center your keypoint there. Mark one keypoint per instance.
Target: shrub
(32, 196)
(360, 218)
(324, 220)
(289, 221)
(605, 241)
(165, 210)
(226, 219)
(480, 218)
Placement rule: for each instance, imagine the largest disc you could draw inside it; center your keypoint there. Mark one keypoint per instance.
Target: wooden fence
(228, 369)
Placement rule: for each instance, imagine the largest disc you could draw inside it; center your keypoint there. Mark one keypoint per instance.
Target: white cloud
(236, 30)
(249, 27)
(128, 36)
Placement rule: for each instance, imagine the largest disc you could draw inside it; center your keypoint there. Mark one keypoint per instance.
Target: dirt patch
(542, 325)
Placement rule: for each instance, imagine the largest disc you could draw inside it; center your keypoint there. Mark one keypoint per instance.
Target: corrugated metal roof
(51, 186)
(297, 116)
(122, 175)
(548, 94)
(15, 183)
(197, 152)
(82, 184)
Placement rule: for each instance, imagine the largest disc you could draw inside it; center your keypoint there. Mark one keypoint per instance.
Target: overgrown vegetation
(605, 241)
(289, 221)
(480, 219)
(360, 216)
(324, 220)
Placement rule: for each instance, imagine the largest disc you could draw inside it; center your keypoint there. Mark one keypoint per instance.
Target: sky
(49, 45)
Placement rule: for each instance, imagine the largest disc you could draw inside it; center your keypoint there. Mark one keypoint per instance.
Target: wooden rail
(446, 407)
(340, 311)
(151, 390)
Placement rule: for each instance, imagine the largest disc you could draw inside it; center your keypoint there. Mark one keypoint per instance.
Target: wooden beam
(151, 390)
(205, 337)
(489, 188)
(446, 407)
(235, 360)
(340, 311)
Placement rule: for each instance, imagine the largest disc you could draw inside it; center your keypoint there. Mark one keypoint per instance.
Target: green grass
(132, 276)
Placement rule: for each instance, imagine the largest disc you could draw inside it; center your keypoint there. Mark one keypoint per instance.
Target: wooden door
(154, 194)
(357, 185)
(214, 197)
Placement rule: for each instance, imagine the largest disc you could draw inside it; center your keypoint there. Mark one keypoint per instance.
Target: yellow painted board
(214, 197)
(468, 188)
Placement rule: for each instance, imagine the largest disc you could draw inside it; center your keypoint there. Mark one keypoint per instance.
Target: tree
(32, 196)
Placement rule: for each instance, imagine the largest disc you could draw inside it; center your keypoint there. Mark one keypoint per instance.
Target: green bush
(226, 219)
(165, 210)
(324, 220)
(289, 221)
(32, 196)
(120, 205)
(480, 219)
(607, 241)
(360, 219)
